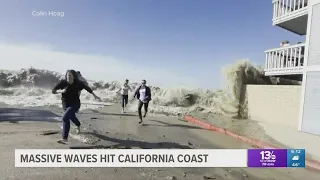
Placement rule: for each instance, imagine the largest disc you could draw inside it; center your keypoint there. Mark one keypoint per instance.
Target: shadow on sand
(14, 115)
(110, 114)
(129, 144)
(164, 124)
(96, 104)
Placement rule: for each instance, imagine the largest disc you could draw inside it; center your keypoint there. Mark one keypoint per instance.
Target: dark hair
(74, 73)
(78, 72)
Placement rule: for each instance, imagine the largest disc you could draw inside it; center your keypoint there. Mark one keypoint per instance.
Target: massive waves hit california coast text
(32, 87)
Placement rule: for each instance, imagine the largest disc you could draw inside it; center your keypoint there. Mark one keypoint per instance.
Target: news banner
(255, 158)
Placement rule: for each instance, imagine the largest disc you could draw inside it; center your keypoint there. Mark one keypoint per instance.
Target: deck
(291, 15)
(287, 60)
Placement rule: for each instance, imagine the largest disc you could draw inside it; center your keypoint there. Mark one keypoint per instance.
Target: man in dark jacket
(143, 94)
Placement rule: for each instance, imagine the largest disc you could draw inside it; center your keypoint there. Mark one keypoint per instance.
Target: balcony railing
(286, 8)
(285, 60)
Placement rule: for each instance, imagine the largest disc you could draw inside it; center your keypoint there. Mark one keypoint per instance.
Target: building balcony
(288, 60)
(291, 15)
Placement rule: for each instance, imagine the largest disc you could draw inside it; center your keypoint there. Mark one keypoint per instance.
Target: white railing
(284, 8)
(285, 59)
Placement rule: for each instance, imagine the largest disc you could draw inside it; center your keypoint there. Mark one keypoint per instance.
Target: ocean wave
(32, 87)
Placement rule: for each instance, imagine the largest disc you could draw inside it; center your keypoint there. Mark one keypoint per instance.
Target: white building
(299, 61)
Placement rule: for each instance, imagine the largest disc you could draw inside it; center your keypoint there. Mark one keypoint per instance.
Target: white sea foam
(32, 87)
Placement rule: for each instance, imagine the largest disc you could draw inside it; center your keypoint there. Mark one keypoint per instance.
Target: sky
(168, 43)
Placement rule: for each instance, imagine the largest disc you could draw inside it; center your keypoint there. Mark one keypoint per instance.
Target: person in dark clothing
(82, 79)
(71, 101)
(143, 94)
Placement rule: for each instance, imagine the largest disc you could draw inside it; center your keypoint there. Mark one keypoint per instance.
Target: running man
(71, 101)
(125, 94)
(82, 79)
(143, 94)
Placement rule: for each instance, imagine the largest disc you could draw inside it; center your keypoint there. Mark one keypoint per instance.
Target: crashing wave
(32, 87)
(29, 77)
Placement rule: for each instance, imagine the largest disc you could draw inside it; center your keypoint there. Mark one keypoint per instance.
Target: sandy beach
(108, 128)
(269, 133)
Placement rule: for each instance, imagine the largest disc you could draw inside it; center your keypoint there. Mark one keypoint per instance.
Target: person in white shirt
(284, 43)
(125, 94)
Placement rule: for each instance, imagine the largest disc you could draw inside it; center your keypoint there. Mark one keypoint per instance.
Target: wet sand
(273, 134)
(107, 127)
(245, 127)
